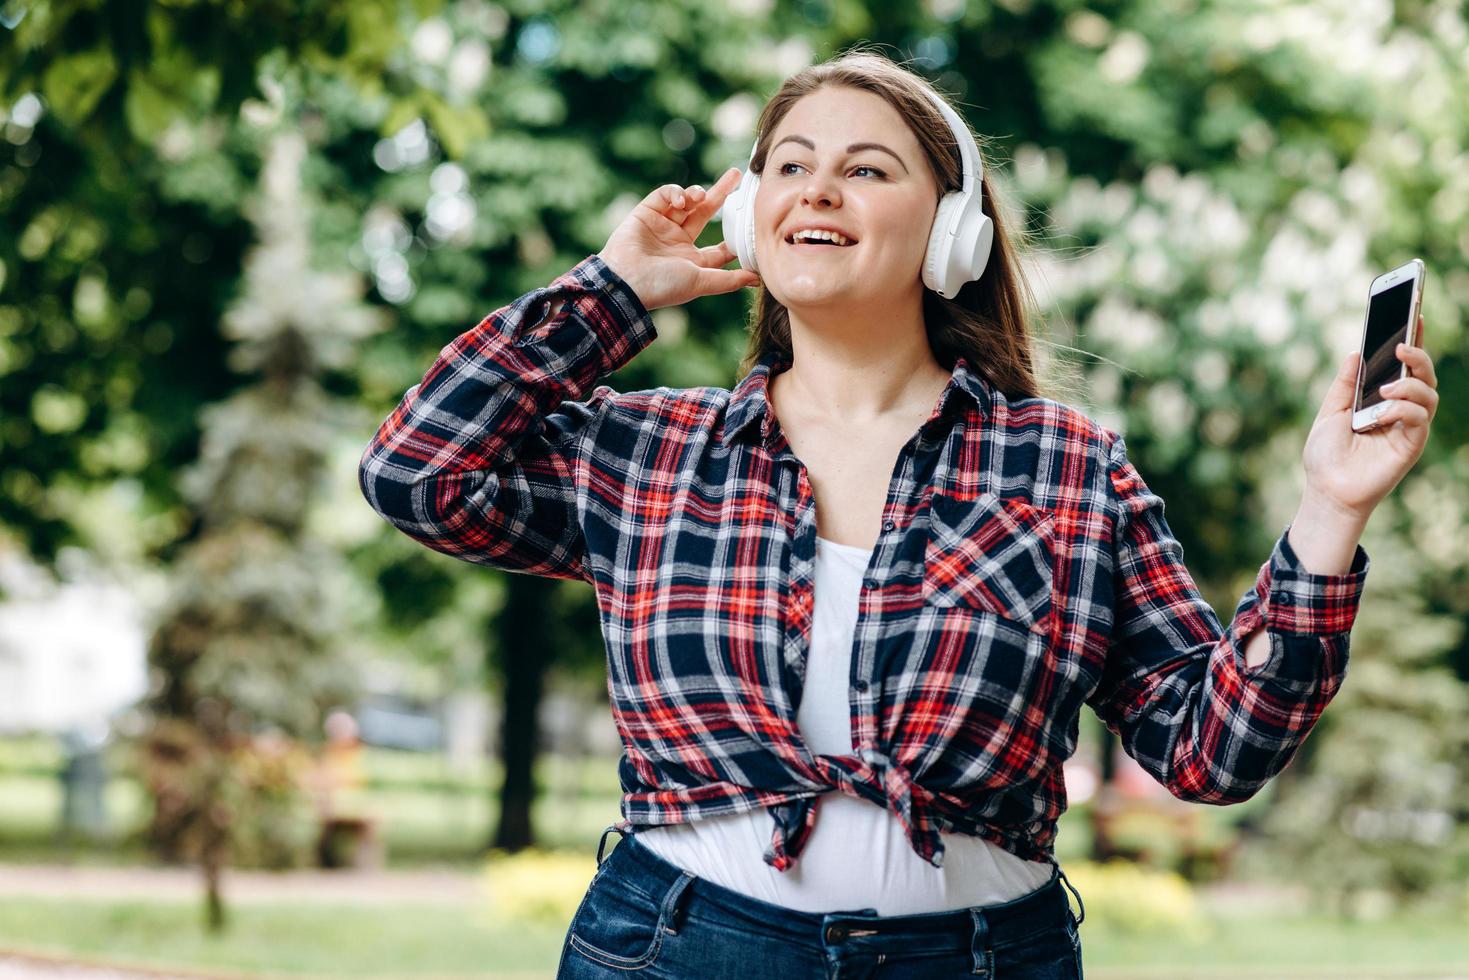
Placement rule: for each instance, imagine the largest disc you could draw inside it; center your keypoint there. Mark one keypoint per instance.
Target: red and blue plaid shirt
(1023, 569)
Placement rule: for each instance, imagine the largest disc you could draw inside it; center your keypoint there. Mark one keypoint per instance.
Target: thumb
(1342, 393)
(713, 281)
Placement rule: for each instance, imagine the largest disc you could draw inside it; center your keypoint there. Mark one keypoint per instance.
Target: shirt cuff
(1304, 602)
(620, 323)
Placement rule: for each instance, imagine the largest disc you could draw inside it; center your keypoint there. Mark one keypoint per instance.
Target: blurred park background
(248, 729)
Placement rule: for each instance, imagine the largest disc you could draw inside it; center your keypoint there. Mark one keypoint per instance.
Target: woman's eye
(879, 173)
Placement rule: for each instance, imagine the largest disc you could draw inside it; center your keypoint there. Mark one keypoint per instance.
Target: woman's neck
(852, 379)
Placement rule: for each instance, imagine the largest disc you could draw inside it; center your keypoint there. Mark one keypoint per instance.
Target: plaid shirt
(1023, 569)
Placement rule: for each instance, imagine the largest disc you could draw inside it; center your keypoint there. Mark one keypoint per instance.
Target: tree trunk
(214, 845)
(524, 657)
(1104, 801)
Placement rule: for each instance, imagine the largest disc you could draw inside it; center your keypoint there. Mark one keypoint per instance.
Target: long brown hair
(988, 321)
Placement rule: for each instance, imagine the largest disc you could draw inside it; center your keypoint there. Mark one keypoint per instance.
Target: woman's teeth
(827, 237)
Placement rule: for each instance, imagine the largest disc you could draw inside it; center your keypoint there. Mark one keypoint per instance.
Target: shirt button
(861, 686)
(888, 525)
(870, 583)
(836, 934)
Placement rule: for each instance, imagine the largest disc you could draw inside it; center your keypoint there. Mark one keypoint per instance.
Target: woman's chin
(816, 294)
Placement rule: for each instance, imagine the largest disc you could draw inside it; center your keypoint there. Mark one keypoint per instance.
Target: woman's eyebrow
(855, 147)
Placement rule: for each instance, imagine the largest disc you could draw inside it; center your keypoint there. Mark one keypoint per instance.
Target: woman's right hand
(653, 249)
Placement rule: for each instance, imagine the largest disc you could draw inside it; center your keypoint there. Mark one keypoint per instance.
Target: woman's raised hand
(1353, 471)
(653, 249)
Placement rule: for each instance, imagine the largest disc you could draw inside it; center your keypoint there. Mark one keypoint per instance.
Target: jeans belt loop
(669, 910)
(984, 962)
(1079, 904)
(603, 842)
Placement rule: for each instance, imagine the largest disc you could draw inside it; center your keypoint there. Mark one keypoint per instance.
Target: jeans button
(836, 934)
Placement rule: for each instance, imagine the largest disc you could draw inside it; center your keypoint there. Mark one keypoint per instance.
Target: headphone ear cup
(940, 245)
(984, 239)
(952, 261)
(738, 219)
(747, 220)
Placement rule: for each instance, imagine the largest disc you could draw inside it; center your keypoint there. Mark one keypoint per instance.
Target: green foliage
(73, 85)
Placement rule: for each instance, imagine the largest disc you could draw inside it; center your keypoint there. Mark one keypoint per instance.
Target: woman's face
(884, 199)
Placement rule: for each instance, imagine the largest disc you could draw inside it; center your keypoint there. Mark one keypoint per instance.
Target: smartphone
(1392, 318)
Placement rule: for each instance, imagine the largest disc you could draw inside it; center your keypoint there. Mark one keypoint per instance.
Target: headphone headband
(968, 149)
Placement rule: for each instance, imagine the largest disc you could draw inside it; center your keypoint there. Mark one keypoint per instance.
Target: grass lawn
(286, 939)
(433, 815)
(300, 939)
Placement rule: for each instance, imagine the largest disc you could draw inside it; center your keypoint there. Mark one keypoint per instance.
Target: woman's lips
(808, 247)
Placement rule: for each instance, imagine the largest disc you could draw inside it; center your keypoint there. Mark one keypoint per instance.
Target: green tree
(123, 174)
(249, 641)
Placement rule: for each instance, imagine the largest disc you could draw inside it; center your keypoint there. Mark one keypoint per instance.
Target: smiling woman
(897, 163)
(854, 605)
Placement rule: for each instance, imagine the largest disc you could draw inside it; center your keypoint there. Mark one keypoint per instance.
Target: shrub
(537, 886)
(1122, 897)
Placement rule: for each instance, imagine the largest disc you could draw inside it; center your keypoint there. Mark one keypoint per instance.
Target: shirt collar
(749, 400)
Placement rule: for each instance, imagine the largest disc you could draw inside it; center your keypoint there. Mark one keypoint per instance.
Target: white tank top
(857, 856)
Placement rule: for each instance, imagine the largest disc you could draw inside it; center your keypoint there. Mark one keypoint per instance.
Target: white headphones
(958, 243)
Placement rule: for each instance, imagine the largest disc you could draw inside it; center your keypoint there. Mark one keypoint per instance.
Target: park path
(351, 886)
(29, 966)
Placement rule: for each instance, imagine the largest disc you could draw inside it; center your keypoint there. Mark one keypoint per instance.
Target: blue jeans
(644, 915)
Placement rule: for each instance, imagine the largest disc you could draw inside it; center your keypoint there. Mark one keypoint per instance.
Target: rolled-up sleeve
(480, 459)
(1175, 686)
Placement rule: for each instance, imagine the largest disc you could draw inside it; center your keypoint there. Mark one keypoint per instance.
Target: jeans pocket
(619, 924)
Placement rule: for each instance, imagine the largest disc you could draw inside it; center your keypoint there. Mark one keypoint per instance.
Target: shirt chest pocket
(992, 554)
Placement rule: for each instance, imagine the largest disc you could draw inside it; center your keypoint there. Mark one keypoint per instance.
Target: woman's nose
(818, 188)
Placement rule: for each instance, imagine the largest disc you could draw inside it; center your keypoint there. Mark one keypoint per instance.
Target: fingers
(1419, 363)
(687, 199)
(705, 203)
(726, 280)
(714, 256)
(1411, 414)
(727, 182)
(672, 201)
(679, 204)
(1414, 390)
(1340, 395)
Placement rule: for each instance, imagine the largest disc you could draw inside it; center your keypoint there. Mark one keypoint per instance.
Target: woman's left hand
(1353, 471)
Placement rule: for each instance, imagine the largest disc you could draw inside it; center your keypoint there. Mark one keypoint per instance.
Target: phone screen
(1387, 326)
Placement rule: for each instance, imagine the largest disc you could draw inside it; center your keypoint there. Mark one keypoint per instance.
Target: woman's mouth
(818, 244)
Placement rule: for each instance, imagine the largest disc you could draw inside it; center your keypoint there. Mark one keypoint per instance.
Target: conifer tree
(245, 656)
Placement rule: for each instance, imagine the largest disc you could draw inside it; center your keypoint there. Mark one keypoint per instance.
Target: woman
(876, 581)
